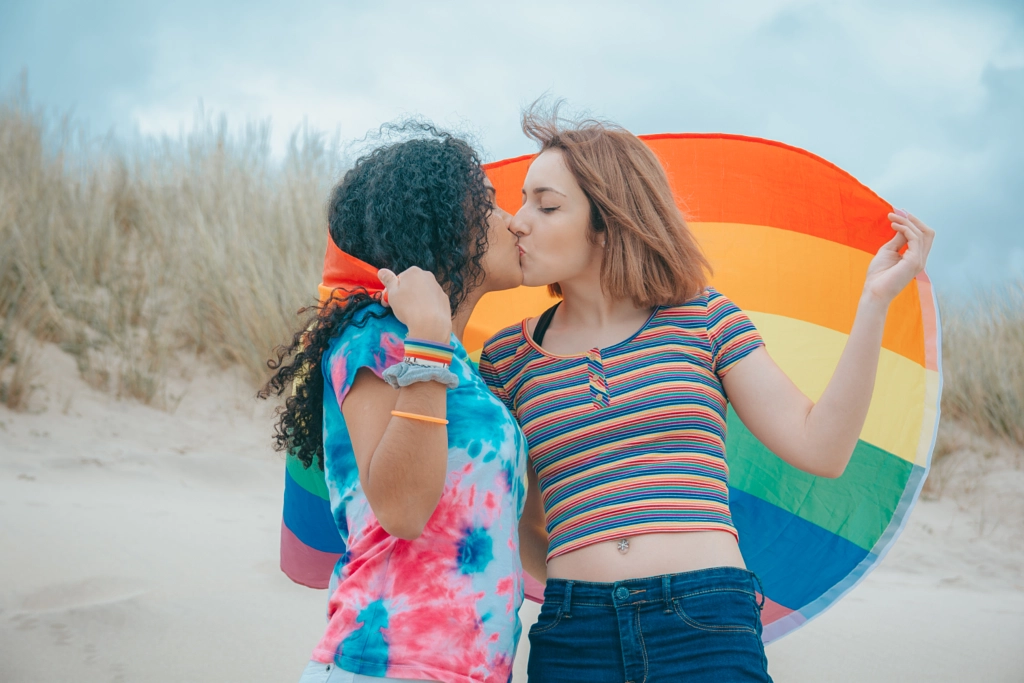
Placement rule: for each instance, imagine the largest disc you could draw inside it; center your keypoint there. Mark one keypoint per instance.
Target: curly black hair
(418, 202)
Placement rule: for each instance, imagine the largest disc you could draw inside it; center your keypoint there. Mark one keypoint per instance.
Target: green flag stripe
(857, 506)
(311, 479)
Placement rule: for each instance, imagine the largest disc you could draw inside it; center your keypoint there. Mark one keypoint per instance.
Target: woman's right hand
(419, 303)
(891, 271)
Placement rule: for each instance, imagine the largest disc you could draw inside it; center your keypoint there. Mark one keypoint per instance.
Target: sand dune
(139, 544)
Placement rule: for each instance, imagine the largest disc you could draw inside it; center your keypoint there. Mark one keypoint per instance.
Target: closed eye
(549, 209)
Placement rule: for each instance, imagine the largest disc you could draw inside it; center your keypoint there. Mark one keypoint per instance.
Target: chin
(532, 277)
(533, 281)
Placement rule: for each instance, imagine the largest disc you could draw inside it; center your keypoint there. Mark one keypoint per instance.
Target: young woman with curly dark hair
(424, 465)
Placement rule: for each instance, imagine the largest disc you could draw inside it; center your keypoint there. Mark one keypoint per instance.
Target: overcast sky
(924, 103)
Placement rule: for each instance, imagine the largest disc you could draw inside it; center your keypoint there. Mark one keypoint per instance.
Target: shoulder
(721, 309)
(715, 299)
(370, 323)
(376, 319)
(689, 314)
(708, 304)
(505, 358)
(505, 342)
(709, 312)
(372, 332)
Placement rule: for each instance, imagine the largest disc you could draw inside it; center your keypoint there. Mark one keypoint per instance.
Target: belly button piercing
(624, 545)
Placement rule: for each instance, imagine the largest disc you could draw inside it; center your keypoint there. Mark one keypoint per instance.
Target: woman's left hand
(890, 271)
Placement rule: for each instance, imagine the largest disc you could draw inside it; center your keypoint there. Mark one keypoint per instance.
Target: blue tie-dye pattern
(476, 550)
(477, 414)
(509, 477)
(513, 483)
(342, 469)
(368, 640)
(487, 455)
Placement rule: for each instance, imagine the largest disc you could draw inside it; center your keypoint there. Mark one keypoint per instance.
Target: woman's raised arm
(819, 438)
(403, 462)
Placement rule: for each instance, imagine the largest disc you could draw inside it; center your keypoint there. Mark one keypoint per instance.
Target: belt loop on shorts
(567, 600)
(666, 592)
(761, 586)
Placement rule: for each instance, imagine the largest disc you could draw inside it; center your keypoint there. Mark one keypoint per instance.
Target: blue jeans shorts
(701, 626)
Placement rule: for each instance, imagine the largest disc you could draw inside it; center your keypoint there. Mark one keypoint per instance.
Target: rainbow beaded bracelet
(429, 353)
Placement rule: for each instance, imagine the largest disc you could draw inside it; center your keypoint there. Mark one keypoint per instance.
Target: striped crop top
(629, 439)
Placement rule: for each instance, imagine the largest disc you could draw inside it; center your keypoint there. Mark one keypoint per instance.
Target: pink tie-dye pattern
(339, 373)
(507, 586)
(394, 352)
(429, 602)
(394, 349)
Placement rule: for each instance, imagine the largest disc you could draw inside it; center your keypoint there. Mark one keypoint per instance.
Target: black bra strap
(542, 325)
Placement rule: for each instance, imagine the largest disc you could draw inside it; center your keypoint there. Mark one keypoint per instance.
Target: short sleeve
(493, 379)
(372, 341)
(732, 334)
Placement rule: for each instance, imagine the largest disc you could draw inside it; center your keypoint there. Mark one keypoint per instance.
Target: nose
(518, 225)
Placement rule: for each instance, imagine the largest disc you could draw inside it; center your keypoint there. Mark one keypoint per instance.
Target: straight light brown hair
(650, 256)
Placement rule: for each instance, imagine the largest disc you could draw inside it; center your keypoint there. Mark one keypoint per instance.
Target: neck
(586, 304)
(462, 316)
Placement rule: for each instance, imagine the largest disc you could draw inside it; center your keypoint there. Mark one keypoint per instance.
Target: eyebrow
(541, 190)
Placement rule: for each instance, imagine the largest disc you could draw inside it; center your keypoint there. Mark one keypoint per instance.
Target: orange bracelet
(422, 418)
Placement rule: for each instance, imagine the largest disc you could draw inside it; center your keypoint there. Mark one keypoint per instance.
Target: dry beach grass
(129, 256)
(983, 362)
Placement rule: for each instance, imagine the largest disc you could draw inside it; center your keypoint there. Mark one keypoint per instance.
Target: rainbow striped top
(629, 439)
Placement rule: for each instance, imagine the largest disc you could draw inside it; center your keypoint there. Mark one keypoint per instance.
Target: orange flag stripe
(822, 281)
(710, 174)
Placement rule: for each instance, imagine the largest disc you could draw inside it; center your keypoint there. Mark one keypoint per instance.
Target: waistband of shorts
(567, 592)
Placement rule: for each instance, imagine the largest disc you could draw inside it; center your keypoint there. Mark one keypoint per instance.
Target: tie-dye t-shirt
(444, 606)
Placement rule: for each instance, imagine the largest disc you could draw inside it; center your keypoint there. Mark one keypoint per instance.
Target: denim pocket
(546, 620)
(725, 609)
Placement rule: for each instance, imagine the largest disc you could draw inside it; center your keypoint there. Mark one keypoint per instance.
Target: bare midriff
(648, 555)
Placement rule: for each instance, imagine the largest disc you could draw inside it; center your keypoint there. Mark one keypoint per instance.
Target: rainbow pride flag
(790, 237)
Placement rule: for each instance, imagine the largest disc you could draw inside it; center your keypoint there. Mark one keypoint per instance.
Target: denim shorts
(701, 626)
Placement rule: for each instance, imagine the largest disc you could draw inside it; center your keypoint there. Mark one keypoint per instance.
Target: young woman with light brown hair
(622, 389)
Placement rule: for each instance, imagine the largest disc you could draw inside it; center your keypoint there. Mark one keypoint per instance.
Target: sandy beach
(140, 544)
